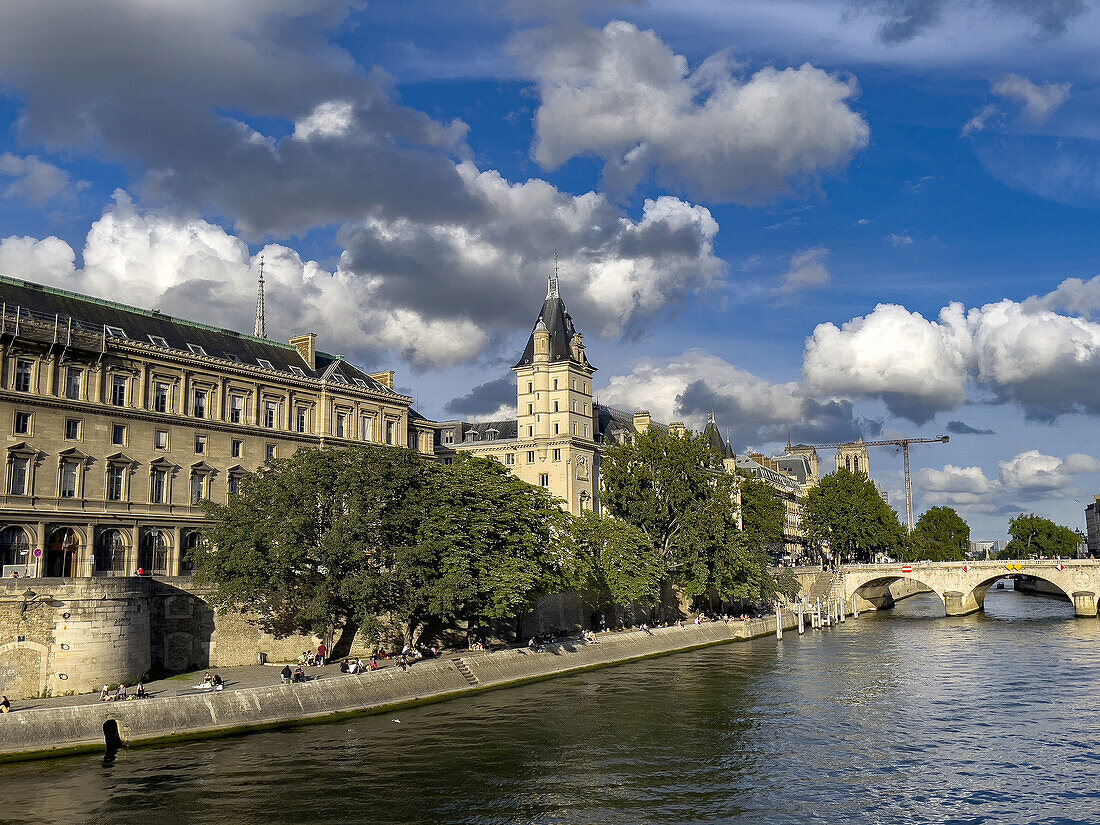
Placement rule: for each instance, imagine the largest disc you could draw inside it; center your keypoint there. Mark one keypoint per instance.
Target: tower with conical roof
(555, 428)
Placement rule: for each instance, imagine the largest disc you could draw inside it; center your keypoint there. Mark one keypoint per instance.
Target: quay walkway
(255, 698)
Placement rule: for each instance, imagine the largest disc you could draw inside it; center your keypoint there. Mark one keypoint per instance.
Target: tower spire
(552, 285)
(260, 328)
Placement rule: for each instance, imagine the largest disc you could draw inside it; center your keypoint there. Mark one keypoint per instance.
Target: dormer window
(267, 365)
(298, 371)
(359, 382)
(195, 348)
(338, 378)
(114, 332)
(235, 359)
(491, 434)
(471, 436)
(156, 340)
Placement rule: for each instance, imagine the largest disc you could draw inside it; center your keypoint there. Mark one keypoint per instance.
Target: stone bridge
(962, 585)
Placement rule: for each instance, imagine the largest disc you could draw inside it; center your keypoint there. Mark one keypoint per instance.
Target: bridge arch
(874, 592)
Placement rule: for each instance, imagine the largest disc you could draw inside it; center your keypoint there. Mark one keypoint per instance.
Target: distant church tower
(260, 327)
(854, 457)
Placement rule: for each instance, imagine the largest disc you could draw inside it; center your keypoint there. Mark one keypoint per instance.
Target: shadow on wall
(181, 626)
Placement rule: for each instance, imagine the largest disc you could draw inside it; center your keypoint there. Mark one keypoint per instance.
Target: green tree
(303, 545)
(763, 515)
(615, 560)
(486, 547)
(1032, 535)
(846, 513)
(939, 535)
(675, 489)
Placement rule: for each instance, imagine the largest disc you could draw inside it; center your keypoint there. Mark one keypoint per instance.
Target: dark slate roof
(93, 314)
(796, 465)
(714, 438)
(559, 323)
(609, 421)
(504, 429)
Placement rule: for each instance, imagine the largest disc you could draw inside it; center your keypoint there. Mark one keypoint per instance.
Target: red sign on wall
(907, 568)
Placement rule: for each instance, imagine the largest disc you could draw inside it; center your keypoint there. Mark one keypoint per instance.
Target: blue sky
(821, 218)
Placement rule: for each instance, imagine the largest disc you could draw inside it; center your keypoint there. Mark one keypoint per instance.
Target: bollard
(778, 621)
(801, 620)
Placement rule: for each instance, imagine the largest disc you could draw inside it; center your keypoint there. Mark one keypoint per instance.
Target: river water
(903, 716)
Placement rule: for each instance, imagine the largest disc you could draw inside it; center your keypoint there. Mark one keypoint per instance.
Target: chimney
(384, 378)
(641, 420)
(677, 429)
(307, 348)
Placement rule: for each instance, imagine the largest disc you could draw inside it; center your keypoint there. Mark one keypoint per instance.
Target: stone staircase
(826, 584)
(464, 669)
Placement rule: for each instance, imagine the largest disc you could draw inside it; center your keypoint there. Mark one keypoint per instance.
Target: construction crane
(903, 443)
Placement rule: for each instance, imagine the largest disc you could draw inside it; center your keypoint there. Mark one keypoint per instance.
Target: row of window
(71, 479)
(580, 409)
(162, 402)
(583, 386)
(74, 431)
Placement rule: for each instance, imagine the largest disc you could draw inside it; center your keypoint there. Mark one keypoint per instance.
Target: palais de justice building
(118, 421)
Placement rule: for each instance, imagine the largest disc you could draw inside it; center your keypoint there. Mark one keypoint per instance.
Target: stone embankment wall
(58, 730)
(70, 636)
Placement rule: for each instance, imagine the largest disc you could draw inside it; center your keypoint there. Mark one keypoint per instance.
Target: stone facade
(118, 422)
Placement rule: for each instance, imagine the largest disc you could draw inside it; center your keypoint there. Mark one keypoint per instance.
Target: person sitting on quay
(217, 682)
(105, 694)
(139, 691)
(646, 630)
(299, 674)
(285, 674)
(5, 705)
(207, 681)
(120, 694)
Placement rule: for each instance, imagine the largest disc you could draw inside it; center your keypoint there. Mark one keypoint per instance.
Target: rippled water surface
(904, 716)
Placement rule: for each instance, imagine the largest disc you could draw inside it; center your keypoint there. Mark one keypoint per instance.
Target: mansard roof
(559, 323)
(775, 479)
(92, 315)
(609, 422)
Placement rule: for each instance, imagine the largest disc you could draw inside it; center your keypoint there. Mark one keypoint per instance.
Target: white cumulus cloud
(749, 409)
(624, 96)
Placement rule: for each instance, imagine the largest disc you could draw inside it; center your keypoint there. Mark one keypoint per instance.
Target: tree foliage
(486, 546)
(1032, 535)
(846, 513)
(302, 547)
(675, 490)
(615, 560)
(763, 515)
(940, 534)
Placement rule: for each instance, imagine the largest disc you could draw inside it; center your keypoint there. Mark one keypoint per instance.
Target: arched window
(110, 554)
(192, 541)
(153, 552)
(15, 546)
(61, 553)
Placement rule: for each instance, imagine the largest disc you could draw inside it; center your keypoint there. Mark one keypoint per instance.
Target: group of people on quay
(121, 694)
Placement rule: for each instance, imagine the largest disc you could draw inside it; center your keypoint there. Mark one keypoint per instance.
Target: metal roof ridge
(148, 313)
